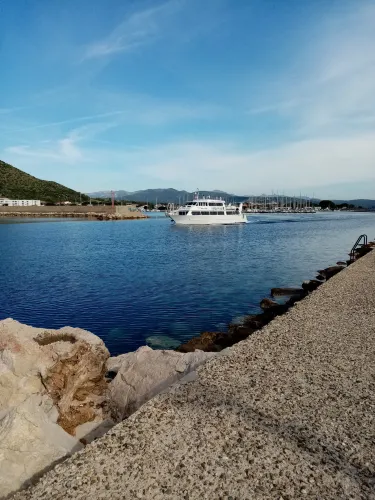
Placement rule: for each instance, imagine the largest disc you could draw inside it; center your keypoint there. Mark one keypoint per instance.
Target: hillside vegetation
(16, 184)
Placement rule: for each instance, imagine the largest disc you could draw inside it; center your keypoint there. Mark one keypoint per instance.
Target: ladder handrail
(358, 244)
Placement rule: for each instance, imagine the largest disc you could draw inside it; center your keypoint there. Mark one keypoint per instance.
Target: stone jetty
(286, 413)
(102, 212)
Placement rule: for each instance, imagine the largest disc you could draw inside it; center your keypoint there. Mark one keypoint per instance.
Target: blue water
(132, 282)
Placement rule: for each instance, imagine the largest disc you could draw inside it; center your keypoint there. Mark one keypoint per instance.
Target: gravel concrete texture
(288, 413)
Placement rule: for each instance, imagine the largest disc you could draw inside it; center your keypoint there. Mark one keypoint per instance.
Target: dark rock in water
(207, 341)
(255, 321)
(293, 300)
(341, 263)
(320, 277)
(361, 251)
(330, 271)
(286, 291)
(268, 303)
(310, 286)
(217, 341)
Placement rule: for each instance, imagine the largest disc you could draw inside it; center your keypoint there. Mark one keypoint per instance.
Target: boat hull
(209, 220)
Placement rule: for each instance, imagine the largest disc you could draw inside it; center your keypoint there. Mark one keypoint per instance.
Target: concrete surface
(288, 413)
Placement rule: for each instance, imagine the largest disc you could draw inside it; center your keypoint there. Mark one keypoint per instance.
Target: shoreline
(284, 413)
(90, 215)
(130, 400)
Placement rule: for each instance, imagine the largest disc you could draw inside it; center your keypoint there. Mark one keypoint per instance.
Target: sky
(245, 96)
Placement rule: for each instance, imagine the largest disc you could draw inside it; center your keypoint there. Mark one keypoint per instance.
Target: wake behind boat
(207, 211)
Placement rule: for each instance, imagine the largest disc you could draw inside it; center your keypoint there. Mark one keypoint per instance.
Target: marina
(280, 204)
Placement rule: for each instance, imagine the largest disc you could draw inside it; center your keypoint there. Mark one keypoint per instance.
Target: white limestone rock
(51, 381)
(146, 372)
(30, 441)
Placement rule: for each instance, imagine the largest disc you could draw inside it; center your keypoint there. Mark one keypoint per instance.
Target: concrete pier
(288, 413)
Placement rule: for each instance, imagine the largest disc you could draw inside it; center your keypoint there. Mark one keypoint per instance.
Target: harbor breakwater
(93, 212)
(248, 426)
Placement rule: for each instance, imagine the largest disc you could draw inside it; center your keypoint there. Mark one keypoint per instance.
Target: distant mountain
(167, 195)
(357, 203)
(119, 195)
(16, 184)
(170, 195)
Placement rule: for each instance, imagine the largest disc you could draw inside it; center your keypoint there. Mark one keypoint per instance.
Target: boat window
(195, 213)
(212, 204)
(220, 213)
(182, 213)
(213, 213)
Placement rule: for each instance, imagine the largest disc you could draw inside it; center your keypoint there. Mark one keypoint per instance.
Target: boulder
(69, 362)
(51, 381)
(330, 271)
(311, 285)
(146, 372)
(206, 341)
(268, 304)
(31, 441)
(285, 292)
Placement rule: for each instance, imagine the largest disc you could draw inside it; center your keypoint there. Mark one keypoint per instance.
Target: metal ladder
(358, 244)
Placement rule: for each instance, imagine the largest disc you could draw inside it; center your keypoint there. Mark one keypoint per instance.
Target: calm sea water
(133, 282)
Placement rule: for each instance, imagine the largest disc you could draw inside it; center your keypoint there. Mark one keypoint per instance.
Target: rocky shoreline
(217, 341)
(60, 389)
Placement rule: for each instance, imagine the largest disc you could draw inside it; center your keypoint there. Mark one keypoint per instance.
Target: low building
(6, 202)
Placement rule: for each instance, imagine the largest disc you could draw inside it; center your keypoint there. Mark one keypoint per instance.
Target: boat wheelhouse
(207, 211)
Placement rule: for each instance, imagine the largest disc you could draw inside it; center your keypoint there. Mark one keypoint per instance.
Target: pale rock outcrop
(146, 372)
(30, 441)
(51, 381)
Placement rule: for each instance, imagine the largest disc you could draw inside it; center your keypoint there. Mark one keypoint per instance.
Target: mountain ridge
(163, 195)
(171, 195)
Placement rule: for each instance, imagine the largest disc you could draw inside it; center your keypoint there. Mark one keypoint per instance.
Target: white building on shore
(6, 202)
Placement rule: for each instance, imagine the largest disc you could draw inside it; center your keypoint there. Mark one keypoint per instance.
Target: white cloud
(293, 167)
(140, 28)
(330, 89)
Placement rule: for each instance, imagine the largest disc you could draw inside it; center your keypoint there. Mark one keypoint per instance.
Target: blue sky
(247, 96)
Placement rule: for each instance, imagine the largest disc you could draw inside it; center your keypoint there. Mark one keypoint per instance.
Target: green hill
(16, 184)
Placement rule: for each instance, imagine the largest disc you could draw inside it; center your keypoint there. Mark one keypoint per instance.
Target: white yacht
(207, 211)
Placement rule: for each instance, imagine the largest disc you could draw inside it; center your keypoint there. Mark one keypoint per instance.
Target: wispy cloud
(67, 122)
(66, 150)
(333, 90)
(140, 28)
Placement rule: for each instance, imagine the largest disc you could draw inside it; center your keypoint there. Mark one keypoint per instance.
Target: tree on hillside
(327, 204)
